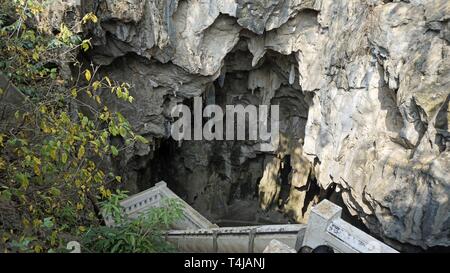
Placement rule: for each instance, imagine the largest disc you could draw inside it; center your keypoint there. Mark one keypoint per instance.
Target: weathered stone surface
(372, 127)
(11, 101)
(363, 84)
(265, 15)
(127, 11)
(276, 246)
(201, 48)
(52, 16)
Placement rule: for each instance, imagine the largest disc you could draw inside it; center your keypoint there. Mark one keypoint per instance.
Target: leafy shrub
(144, 234)
(50, 178)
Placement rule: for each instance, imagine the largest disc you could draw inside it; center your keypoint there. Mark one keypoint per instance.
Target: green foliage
(50, 179)
(141, 235)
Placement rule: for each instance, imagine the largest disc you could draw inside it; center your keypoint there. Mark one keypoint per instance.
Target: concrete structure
(195, 234)
(325, 227)
(276, 246)
(253, 239)
(143, 201)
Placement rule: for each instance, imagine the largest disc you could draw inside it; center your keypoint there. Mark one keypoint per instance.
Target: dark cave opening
(285, 171)
(221, 179)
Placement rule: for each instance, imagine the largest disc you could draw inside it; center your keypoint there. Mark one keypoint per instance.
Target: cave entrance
(221, 179)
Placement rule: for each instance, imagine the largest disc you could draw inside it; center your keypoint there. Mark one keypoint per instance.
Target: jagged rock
(269, 187)
(203, 37)
(67, 12)
(375, 134)
(265, 15)
(127, 11)
(369, 96)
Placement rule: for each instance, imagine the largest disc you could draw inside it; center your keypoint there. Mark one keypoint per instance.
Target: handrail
(194, 233)
(249, 239)
(143, 201)
(325, 227)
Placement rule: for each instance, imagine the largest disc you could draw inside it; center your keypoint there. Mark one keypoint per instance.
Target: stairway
(196, 234)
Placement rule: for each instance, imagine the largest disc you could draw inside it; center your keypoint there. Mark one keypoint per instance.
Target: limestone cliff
(364, 91)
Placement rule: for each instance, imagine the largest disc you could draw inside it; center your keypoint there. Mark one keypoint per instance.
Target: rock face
(363, 88)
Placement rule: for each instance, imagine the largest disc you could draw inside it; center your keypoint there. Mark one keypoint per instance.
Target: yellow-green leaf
(23, 180)
(96, 85)
(53, 154)
(64, 158)
(85, 45)
(74, 92)
(81, 152)
(90, 17)
(142, 139)
(88, 75)
(122, 132)
(114, 150)
(35, 56)
(108, 81)
(54, 191)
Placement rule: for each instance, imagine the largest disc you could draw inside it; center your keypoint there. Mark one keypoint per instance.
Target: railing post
(215, 242)
(325, 227)
(320, 218)
(251, 240)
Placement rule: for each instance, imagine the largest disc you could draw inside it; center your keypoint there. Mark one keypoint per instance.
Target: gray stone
(276, 246)
(369, 99)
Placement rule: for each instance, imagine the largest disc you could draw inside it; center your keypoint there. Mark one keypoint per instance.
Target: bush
(144, 234)
(50, 179)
